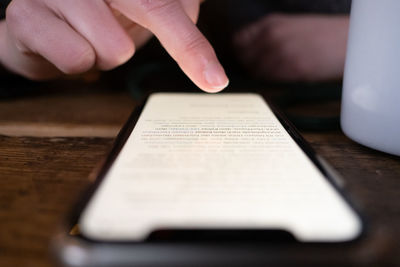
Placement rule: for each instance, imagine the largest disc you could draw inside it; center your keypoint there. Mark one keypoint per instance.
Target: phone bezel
(64, 240)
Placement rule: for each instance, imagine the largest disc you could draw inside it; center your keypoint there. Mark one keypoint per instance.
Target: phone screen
(224, 161)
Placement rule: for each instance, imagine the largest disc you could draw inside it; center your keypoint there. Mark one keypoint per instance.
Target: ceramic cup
(371, 86)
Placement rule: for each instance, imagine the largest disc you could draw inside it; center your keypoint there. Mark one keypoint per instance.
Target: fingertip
(216, 90)
(215, 77)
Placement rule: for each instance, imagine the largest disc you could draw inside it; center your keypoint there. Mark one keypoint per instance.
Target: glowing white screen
(214, 161)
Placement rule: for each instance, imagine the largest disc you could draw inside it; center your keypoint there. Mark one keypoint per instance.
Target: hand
(294, 48)
(42, 39)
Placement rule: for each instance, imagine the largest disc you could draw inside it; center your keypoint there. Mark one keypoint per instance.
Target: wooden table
(51, 140)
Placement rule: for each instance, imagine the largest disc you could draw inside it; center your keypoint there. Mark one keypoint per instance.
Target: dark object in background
(241, 13)
(3, 6)
(219, 20)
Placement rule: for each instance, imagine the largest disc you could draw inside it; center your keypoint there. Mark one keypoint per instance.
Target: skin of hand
(43, 39)
(294, 48)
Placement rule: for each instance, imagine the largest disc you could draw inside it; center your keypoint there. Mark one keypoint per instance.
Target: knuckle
(274, 34)
(300, 68)
(155, 6)
(20, 22)
(16, 15)
(286, 50)
(196, 43)
(290, 53)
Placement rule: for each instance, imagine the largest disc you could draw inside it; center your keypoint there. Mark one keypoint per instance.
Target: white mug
(371, 85)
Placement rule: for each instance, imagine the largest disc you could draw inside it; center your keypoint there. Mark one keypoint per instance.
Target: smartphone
(208, 179)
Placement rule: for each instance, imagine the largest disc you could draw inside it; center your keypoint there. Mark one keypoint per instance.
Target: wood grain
(49, 143)
(40, 178)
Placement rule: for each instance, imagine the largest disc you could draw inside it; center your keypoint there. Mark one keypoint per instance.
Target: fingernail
(215, 76)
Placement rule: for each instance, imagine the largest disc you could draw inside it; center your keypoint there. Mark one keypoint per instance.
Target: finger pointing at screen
(41, 39)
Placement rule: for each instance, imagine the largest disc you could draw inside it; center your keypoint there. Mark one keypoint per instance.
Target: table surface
(50, 141)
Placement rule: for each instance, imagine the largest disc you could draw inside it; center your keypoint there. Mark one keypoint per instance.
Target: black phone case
(216, 247)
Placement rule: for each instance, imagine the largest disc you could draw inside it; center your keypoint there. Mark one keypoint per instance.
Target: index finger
(180, 37)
